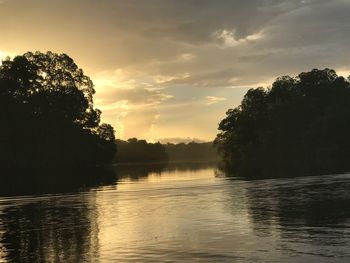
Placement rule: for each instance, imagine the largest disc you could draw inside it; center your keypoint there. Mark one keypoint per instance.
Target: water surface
(182, 213)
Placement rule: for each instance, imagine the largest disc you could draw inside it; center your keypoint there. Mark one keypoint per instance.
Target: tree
(47, 114)
(300, 125)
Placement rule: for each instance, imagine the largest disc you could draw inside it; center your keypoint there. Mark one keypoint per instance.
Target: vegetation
(191, 151)
(139, 151)
(47, 114)
(300, 125)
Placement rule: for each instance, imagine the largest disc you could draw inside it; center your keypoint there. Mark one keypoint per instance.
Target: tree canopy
(140, 151)
(47, 114)
(300, 125)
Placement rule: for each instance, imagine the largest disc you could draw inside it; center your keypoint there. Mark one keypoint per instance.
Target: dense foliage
(301, 125)
(191, 151)
(134, 150)
(47, 114)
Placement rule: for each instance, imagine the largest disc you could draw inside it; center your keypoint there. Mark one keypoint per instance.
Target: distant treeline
(191, 151)
(134, 150)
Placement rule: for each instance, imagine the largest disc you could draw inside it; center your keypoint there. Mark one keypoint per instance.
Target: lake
(181, 213)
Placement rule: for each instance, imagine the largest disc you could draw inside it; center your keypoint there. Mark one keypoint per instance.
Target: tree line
(191, 151)
(141, 151)
(298, 126)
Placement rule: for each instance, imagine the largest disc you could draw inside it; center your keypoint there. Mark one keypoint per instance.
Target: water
(182, 214)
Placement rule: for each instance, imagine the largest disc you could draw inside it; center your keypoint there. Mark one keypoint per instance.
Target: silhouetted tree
(300, 125)
(47, 114)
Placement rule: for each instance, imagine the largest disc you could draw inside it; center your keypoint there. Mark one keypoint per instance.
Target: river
(186, 213)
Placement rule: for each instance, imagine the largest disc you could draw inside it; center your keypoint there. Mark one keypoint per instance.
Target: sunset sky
(170, 69)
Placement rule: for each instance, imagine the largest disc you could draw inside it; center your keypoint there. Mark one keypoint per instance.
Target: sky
(168, 70)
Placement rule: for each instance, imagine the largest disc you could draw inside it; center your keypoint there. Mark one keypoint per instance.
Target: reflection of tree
(53, 228)
(190, 166)
(62, 229)
(300, 205)
(53, 180)
(135, 172)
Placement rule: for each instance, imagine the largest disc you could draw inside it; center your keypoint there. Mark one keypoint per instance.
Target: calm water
(182, 214)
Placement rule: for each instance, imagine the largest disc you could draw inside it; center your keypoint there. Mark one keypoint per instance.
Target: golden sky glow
(171, 69)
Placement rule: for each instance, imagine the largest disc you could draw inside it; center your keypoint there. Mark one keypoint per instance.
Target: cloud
(213, 100)
(131, 109)
(180, 140)
(195, 42)
(135, 96)
(139, 123)
(227, 37)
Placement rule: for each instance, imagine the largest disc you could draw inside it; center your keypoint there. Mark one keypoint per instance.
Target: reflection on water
(50, 229)
(54, 180)
(181, 213)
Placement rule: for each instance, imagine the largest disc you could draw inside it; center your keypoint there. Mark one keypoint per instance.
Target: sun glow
(4, 54)
(345, 72)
